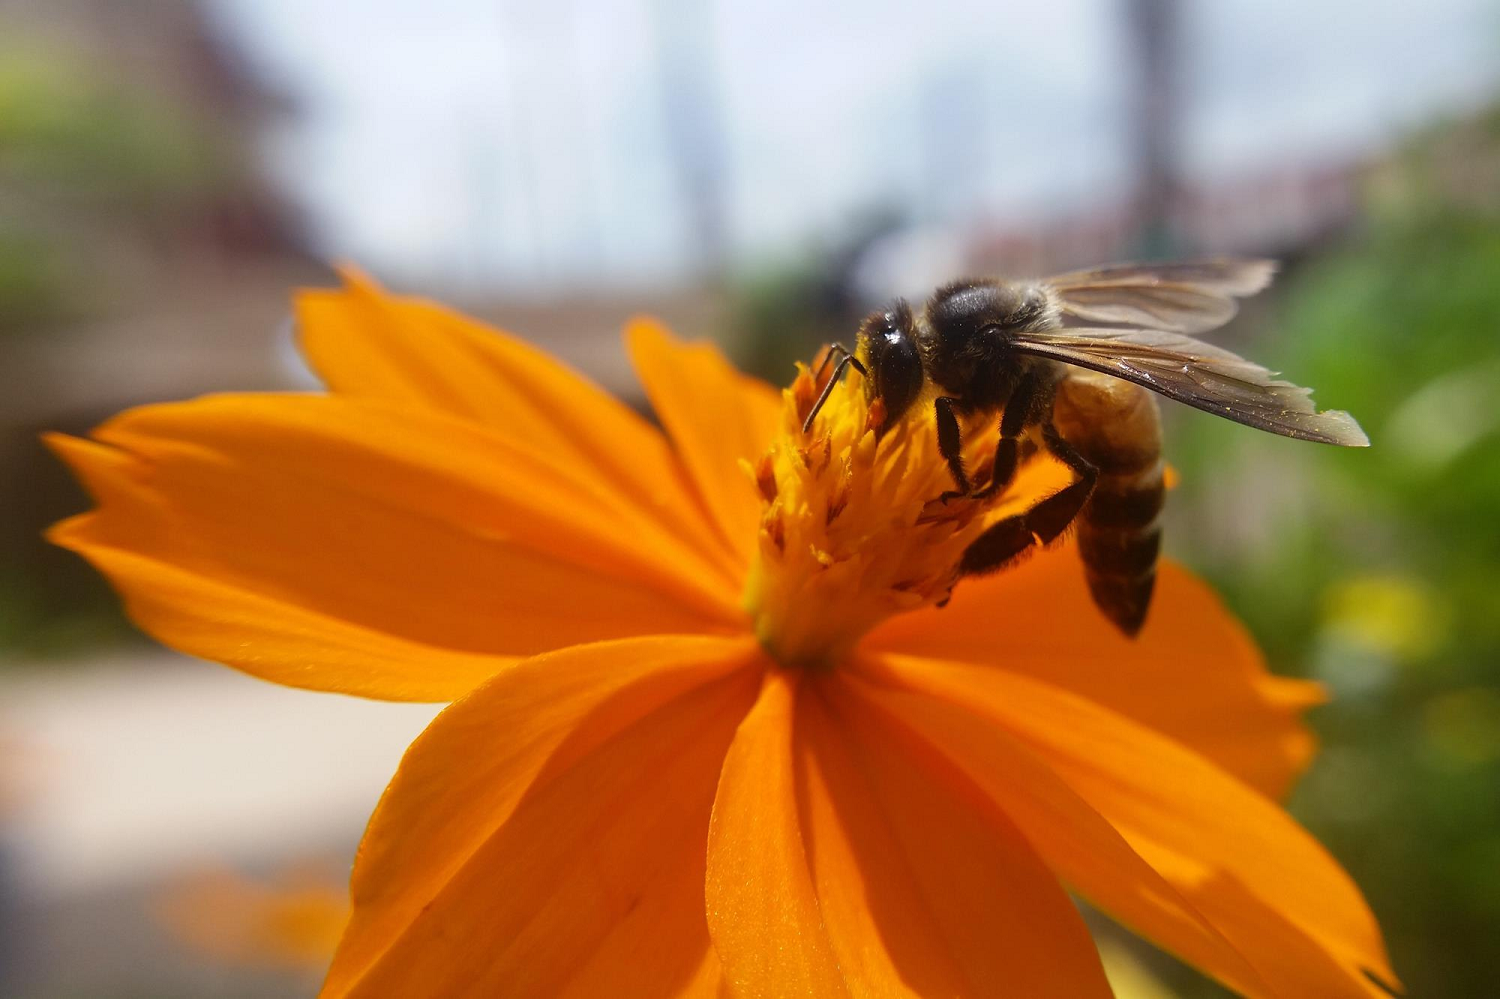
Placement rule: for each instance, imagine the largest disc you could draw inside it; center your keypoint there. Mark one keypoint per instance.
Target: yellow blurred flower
(1397, 616)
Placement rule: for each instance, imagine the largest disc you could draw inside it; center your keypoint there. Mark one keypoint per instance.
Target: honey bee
(1065, 362)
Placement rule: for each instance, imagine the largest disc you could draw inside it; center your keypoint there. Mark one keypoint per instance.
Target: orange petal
(545, 835)
(762, 911)
(1239, 860)
(718, 419)
(925, 887)
(839, 863)
(1072, 839)
(340, 545)
(1193, 673)
(418, 354)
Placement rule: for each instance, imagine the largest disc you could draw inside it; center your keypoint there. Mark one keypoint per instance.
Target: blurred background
(760, 173)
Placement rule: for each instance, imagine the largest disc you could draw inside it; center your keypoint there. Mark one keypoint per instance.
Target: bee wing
(1204, 376)
(1192, 296)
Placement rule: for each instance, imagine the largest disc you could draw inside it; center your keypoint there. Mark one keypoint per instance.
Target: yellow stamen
(853, 529)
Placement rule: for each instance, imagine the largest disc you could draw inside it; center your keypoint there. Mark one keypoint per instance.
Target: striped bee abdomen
(1116, 427)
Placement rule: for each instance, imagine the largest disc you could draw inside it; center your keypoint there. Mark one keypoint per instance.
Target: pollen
(858, 521)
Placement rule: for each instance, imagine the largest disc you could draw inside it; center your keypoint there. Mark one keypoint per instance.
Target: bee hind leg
(1053, 515)
(1004, 542)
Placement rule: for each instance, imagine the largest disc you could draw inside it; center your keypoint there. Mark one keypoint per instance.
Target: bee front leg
(828, 358)
(838, 371)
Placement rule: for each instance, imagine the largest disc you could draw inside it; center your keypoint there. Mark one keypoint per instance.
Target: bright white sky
(522, 144)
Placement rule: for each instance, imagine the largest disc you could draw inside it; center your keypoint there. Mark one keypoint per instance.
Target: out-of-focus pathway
(125, 775)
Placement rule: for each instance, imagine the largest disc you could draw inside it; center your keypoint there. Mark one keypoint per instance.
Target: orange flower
(711, 731)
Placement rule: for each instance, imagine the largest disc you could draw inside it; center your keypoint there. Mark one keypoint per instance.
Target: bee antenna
(844, 362)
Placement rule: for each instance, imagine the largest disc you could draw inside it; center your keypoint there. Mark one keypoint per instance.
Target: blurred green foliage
(32, 280)
(782, 312)
(60, 128)
(780, 315)
(1375, 570)
(80, 160)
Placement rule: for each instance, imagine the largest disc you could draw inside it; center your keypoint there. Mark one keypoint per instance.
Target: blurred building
(1281, 211)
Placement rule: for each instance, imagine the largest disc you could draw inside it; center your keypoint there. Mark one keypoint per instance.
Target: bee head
(890, 345)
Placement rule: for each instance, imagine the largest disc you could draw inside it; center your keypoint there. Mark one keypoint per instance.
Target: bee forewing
(1187, 297)
(1201, 375)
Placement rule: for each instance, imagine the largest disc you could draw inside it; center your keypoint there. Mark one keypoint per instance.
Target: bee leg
(844, 362)
(1051, 517)
(950, 446)
(1013, 422)
(1005, 541)
(1002, 543)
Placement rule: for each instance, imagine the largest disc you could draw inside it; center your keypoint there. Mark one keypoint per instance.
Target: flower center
(853, 525)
